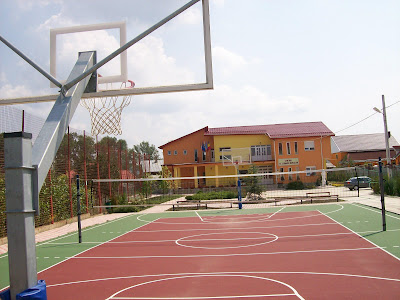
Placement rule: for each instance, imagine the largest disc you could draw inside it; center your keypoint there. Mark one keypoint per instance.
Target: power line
(364, 119)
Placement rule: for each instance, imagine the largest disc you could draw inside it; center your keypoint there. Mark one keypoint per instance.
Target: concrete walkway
(367, 197)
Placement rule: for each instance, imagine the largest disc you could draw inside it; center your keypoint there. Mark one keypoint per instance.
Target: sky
(274, 62)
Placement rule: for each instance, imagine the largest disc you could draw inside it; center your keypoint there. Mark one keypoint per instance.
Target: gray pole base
(20, 213)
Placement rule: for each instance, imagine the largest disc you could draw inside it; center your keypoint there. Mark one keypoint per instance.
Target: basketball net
(105, 112)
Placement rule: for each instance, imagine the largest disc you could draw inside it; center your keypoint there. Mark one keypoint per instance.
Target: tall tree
(150, 150)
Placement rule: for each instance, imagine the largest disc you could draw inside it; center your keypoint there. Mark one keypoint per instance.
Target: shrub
(212, 195)
(295, 185)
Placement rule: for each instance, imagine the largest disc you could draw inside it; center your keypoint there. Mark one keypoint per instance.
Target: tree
(346, 162)
(148, 150)
(252, 183)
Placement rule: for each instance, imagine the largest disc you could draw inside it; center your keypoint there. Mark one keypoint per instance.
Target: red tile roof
(277, 130)
(205, 129)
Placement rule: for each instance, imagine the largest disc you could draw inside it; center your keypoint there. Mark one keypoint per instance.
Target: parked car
(362, 182)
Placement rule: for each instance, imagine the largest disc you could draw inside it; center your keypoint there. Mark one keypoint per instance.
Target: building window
(282, 176)
(310, 171)
(169, 152)
(290, 175)
(196, 157)
(309, 146)
(212, 155)
(204, 155)
(184, 152)
(280, 149)
(296, 149)
(288, 148)
(175, 152)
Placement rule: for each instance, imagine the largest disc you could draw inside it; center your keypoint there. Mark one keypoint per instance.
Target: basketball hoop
(105, 112)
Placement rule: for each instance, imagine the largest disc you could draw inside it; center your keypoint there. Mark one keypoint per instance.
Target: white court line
(276, 212)
(199, 216)
(245, 272)
(382, 248)
(74, 232)
(234, 228)
(374, 210)
(74, 256)
(295, 293)
(245, 238)
(226, 255)
(199, 298)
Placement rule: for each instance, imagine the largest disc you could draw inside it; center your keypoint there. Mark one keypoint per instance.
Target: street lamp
(383, 112)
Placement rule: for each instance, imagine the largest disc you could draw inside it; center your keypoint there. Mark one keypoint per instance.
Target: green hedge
(213, 195)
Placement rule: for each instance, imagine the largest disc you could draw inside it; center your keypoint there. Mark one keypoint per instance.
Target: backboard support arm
(52, 133)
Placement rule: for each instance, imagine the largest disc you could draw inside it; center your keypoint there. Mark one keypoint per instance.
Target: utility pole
(383, 112)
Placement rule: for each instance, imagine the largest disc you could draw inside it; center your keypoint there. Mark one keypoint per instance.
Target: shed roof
(362, 142)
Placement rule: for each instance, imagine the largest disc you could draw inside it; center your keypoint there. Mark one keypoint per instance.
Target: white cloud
(3, 78)
(190, 17)
(228, 62)
(10, 91)
(55, 21)
(218, 3)
(29, 4)
(148, 64)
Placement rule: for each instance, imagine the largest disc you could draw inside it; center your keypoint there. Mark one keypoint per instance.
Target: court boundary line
(227, 255)
(74, 232)
(199, 216)
(233, 272)
(370, 208)
(288, 236)
(257, 220)
(234, 228)
(74, 256)
(372, 243)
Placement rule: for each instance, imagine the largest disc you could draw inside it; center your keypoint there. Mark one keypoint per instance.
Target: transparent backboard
(236, 156)
(157, 63)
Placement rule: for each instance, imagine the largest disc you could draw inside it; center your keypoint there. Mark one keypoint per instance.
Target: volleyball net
(277, 188)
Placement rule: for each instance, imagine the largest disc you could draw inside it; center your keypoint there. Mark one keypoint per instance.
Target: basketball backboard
(235, 156)
(157, 61)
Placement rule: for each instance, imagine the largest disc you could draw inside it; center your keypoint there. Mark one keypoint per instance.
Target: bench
(321, 196)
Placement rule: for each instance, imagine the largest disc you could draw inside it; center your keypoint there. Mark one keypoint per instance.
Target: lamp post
(383, 112)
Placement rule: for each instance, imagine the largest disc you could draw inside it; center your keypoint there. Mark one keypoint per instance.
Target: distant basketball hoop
(105, 112)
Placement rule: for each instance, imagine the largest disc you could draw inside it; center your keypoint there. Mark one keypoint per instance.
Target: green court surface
(363, 220)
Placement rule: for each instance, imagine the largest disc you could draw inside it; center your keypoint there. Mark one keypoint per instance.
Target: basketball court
(226, 254)
(220, 255)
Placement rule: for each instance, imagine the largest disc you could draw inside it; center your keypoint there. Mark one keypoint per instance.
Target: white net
(105, 112)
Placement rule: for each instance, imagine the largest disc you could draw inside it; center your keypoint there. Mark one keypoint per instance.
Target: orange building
(232, 150)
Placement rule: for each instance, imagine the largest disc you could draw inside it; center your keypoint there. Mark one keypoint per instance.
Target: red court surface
(295, 255)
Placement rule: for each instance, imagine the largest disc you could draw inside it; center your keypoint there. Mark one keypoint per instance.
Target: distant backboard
(235, 156)
(157, 62)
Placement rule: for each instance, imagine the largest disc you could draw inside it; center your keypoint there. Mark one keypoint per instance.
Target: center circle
(226, 240)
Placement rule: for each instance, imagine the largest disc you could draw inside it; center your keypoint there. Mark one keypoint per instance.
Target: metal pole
(382, 188)
(388, 162)
(78, 208)
(239, 194)
(20, 211)
(32, 63)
